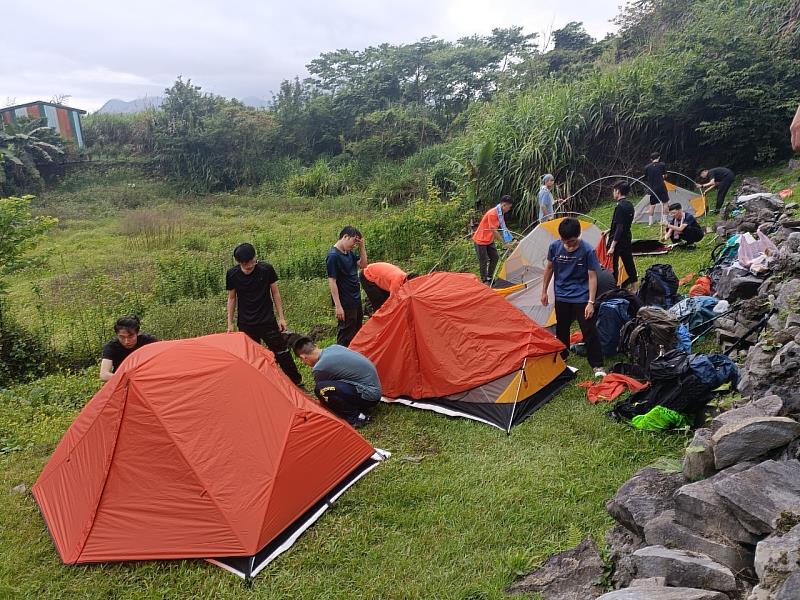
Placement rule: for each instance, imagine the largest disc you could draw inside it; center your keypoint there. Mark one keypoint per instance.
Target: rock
(723, 287)
(665, 531)
(751, 437)
(620, 546)
(744, 287)
(790, 589)
(700, 508)
(663, 593)
(760, 593)
(777, 557)
(756, 370)
(565, 576)
(787, 360)
(649, 582)
(698, 460)
(19, 489)
(768, 406)
(681, 568)
(761, 495)
(791, 452)
(645, 495)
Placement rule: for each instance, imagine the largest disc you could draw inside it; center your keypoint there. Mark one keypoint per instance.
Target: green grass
(479, 509)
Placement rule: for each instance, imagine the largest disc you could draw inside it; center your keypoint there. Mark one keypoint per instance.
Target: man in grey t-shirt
(346, 382)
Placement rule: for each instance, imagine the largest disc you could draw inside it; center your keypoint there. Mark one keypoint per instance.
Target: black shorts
(661, 196)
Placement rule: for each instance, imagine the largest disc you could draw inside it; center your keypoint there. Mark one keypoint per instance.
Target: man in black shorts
(719, 177)
(126, 341)
(654, 175)
(253, 288)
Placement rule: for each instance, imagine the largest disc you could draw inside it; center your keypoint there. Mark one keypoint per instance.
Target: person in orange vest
(380, 280)
(492, 228)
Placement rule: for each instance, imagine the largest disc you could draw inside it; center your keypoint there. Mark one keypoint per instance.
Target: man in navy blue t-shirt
(574, 264)
(342, 265)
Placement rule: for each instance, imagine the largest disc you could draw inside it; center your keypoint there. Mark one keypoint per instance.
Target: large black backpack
(651, 333)
(659, 286)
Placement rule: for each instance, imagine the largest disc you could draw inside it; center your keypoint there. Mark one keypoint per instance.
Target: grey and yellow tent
(694, 204)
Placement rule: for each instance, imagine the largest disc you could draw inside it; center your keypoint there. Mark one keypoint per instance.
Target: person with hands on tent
(655, 174)
(492, 228)
(682, 227)
(380, 280)
(342, 266)
(719, 177)
(346, 382)
(252, 291)
(126, 341)
(573, 265)
(620, 237)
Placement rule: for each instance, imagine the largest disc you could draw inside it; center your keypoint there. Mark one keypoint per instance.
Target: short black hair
(655, 155)
(622, 186)
(303, 345)
(507, 199)
(244, 253)
(130, 322)
(675, 206)
(349, 230)
(569, 228)
(411, 276)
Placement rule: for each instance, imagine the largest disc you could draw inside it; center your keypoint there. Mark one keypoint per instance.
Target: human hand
(544, 299)
(589, 311)
(281, 325)
(610, 250)
(340, 313)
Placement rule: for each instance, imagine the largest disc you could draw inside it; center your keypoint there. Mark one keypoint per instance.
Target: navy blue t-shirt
(571, 271)
(344, 268)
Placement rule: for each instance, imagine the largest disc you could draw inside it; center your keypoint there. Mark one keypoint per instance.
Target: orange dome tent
(196, 448)
(446, 342)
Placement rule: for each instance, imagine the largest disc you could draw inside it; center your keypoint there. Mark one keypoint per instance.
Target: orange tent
(446, 342)
(196, 448)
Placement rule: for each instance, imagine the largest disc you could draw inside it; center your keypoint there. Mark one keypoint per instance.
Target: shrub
(23, 355)
(316, 181)
(187, 276)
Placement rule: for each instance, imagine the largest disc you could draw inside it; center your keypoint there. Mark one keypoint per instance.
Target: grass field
(458, 512)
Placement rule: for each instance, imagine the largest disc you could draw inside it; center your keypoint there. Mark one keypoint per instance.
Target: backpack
(611, 316)
(645, 337)
(671, 365)
(634, 304)
(659, 286)
(696, 312)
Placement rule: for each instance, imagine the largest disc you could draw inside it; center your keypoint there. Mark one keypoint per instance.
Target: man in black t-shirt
(342, 266)
(253, 289)
(719, 177)
(620, 236)
(126, 341)
(682, 227)
(654, 175)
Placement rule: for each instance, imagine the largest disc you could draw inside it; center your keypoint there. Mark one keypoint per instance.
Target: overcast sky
(96, 50)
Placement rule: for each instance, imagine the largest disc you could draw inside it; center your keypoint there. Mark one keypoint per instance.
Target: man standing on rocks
(719, 177)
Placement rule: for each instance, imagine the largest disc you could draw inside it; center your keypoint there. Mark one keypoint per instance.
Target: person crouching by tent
(620, 238)
(346, 382)
(682, 227)
(380, 280)
(252, 290)
(126, 341)
(655, 174)
(719, 177)
(546, 203)
(342, 265)
(492, 228)
(574, 265)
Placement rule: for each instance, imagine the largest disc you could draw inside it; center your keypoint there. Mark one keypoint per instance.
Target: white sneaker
(599, 372)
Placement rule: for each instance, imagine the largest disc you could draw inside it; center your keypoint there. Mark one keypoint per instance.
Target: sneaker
(599, 372)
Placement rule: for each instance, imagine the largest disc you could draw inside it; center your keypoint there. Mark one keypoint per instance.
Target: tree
(25, 146)
(19, 230)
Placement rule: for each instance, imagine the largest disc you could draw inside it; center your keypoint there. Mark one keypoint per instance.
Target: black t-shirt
(116, 352)
(253, 295)
(691, 222)
(654, 177)
(621, 222)
(720, 174)
(344, 268)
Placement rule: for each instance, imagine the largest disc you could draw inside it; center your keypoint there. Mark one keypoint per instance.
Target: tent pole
(516, 396)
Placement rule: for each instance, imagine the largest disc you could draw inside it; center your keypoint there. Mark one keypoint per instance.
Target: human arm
(106, 369)
(276, 300)
(231, 309)
(589, 310)
(795, 130)
(362, 254)
(335, 295)
(548, 275)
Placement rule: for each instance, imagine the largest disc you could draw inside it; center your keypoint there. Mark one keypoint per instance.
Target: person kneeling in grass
(574, 264)
(346, 382)
(682, 227)
(126, 341)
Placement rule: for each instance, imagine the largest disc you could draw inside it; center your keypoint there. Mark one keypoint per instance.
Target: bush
(187, 276)
(23, 355)
(316, 181)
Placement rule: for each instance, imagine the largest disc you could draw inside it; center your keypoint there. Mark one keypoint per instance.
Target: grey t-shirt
(337, 363)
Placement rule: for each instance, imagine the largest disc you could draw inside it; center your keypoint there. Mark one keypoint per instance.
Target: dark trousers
(272, 337)
(377, 296)
(625, 254)
(346, 330)
(690, 235)
(566, 314)
(487, 260)
(722, 191)
(342, 399)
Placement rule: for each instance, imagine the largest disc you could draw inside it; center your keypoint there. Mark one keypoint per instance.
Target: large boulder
(621, 543)
(764, 495)
(700, 508)
(768, 406)
(664, 530)
(787, 361)
(565, 576)
(789, 589)
(743, 287)
(658, 592)
(644, 496)
(752, 437)
(683, 569)
(777, 557)
(698, 460)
